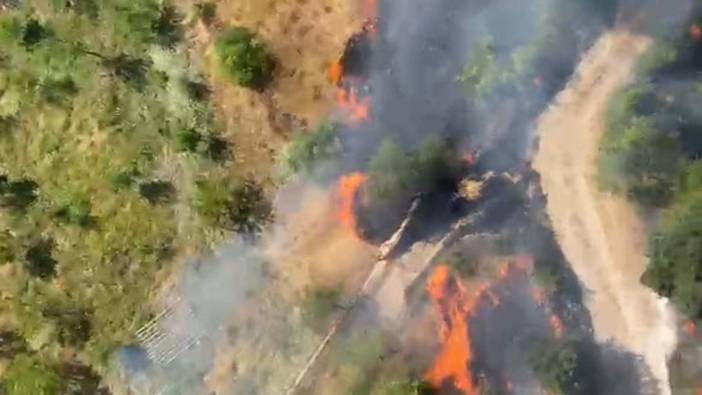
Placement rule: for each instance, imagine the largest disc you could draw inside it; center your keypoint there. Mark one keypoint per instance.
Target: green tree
(245, 58)
(675, 251)
(241, 208)
(641, 161)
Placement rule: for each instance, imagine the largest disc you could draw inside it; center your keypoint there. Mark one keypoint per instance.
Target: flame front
(456, 307)
(347, 191)
(357, 110)
(336, 72)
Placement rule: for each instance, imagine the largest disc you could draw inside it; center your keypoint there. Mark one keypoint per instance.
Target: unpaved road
(601, 235)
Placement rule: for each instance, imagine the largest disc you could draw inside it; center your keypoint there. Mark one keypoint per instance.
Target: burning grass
(465, 311)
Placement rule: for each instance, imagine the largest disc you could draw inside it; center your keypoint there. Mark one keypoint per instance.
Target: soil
(601, 235)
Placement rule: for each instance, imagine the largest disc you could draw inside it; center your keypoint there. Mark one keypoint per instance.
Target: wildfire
(357, 109)
(454, 359)
(695, 32)
(347, 192)
(691, 328)
(457, 306)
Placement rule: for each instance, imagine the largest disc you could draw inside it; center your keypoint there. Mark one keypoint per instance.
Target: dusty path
(601, 235)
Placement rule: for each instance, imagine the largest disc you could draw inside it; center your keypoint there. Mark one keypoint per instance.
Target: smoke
(238, 312)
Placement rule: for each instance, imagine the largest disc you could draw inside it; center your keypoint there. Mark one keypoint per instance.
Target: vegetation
(29, 376)
(245, 58)
(675, 268)
(555, 365)
(307, 150)
(109, 160)
(396, 175)
(651, 153)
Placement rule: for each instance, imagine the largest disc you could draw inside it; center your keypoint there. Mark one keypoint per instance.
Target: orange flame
(336, 72)
(454, 358)
(347, 191)
(457, 307)
(357, 110)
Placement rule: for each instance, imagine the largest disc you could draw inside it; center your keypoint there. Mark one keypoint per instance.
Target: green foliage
(92, 101)
(188, 140)
(245, 58)
(555, 366)
(675, 266)
(30, 376)
(33, 33)
(308, 149)
(241, 208)
(397, 175)
(39, 261)
(317, 307)
(660, 55)
(17, 195)
(641, 161)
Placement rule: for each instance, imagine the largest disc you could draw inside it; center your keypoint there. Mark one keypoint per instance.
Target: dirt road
(601, 235)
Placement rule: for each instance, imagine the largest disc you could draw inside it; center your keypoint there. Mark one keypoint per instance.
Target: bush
(242, 208)
(17, 195)
(244, 58)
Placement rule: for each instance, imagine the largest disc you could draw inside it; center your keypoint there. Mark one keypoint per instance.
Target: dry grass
(306, 37)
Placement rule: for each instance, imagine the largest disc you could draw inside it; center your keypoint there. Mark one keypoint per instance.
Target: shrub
(244, 58)
(17, 195)
(242, 208)
(33, 33)
(38, 259)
